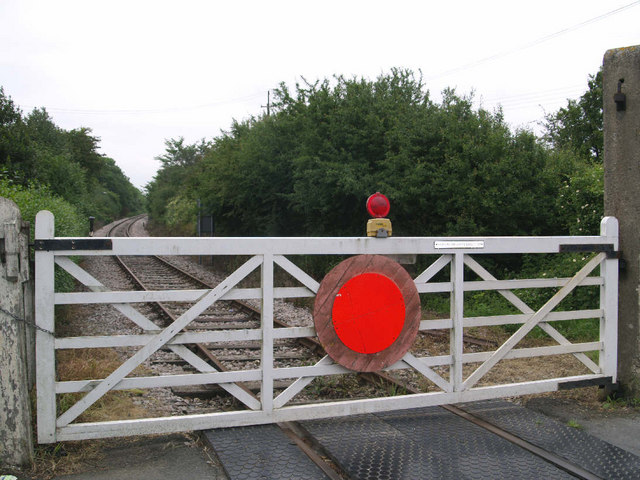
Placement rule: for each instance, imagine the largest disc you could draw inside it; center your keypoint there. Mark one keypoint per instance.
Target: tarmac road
(166, 457)
(619, 427)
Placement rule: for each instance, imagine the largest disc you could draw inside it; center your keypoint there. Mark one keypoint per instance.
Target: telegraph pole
(268, 105)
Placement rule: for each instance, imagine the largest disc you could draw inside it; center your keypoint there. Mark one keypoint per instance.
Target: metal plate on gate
(73, 244)
(590, 247)
(458, 244)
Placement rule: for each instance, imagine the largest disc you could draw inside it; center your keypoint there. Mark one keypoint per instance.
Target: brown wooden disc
(334, 282)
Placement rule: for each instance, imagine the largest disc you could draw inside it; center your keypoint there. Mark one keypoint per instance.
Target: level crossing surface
(429, 442)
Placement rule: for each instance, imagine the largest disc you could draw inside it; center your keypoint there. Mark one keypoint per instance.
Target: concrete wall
(622, 199)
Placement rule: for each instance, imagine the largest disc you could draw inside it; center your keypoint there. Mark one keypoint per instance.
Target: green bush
(68, 221)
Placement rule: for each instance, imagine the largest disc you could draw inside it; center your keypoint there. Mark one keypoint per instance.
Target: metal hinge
(591, 247)
(76, 244)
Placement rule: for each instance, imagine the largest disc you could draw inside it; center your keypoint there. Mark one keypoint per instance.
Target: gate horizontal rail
(456, 253)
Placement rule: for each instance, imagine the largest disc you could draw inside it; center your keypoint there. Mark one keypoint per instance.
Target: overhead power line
(82, 111)
(538, 41)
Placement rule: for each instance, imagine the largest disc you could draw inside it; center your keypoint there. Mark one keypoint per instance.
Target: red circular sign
(368, 313)
(378, 205)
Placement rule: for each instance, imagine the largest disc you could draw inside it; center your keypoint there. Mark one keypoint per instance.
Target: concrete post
(16, 443)
(621, 96)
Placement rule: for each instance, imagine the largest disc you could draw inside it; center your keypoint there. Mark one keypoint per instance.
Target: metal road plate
(591, 453)
(424, 443)
(261, 452)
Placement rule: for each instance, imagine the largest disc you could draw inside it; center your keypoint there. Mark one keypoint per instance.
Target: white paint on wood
(266, 320)
(45, 353)
(270, 251)
(533, 321)
(151, 426)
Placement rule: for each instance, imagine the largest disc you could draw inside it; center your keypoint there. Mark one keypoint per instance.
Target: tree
(9, 113)
(83, 149)
(308, 168)
(43, 131)
(16, 156)
(35, 152)
(579, 125)
(179, 154)
(575, 133)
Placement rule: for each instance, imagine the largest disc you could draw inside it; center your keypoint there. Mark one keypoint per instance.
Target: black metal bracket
(620, 98)
(602, 382)
(76, 244)
(591, 247)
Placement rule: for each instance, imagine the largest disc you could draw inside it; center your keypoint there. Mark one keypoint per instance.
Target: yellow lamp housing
(379, 227)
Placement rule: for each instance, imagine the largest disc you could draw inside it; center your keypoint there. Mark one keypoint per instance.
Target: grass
(615, 403)
(96, 363)
(67, 457)
(574, 424)
(335, 386)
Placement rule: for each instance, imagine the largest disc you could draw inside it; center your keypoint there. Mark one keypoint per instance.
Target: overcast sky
(139, 72)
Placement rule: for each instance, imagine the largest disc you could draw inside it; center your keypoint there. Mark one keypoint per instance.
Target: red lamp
(378, 207)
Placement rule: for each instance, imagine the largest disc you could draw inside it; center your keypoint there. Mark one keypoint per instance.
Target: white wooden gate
(267, 252)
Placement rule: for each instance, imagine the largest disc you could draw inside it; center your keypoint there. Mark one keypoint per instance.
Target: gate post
(16, 443)
(621, 98)
(45, 352)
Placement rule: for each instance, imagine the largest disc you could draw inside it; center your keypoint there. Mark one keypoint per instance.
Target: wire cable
(538, 41)
(146, 111)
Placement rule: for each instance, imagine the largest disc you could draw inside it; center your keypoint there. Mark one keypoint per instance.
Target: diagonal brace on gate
(143, 322)
(524, 308)
(157, 342)
(432, 269)
(537, 317)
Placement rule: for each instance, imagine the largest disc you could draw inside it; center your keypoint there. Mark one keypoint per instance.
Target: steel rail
(290, 429)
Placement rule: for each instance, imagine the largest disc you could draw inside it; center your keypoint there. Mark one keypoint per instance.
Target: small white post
(609, 303)
(266, 393)
(457, 315)
(45, 352)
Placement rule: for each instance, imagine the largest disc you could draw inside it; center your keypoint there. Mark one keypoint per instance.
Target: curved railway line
(155, 273)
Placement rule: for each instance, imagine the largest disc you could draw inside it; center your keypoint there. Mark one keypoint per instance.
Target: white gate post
(609, 304)
(16, 444)
(45, 353)
(266, 393)
(457, 315)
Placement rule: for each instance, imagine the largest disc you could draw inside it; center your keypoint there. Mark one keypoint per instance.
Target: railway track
(155, 273)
